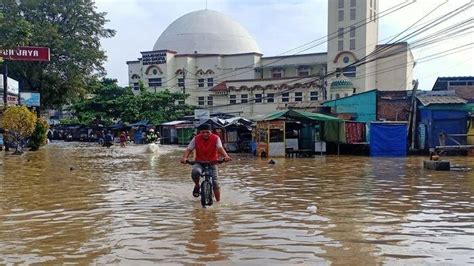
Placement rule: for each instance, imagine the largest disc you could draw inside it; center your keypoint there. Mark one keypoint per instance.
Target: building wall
(395, 68)
(239, 71)
(393, 106)
(366, 38)
(363, 105)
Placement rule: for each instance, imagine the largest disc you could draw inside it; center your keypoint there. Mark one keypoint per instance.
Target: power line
(357, 24)
(423, 60)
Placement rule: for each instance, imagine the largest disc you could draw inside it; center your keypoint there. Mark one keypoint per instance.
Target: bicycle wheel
(206, 193)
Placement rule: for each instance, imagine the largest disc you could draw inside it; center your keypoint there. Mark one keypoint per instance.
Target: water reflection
(205, 236)
(79, 203)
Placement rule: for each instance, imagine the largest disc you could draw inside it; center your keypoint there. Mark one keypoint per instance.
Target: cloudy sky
(281, 25)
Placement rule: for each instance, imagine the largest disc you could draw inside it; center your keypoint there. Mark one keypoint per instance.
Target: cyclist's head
(205, 130)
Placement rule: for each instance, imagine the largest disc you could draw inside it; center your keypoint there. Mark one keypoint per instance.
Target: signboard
(25, 53)
(201, 114)
(12, 100)
(30, 98)
(154, 58)
(12, 85)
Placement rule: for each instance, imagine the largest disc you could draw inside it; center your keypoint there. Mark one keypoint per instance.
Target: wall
(394, 68)
(363, 105)
(393, 106)
(446, 121)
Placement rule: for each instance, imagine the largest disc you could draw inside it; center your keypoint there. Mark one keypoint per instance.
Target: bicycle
(206, 185)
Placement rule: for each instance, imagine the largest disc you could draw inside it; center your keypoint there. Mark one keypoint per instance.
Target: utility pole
(5, 82)
(412, 115)
(184, 80)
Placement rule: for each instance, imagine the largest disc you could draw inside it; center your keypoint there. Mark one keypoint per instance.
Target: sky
(281, 25)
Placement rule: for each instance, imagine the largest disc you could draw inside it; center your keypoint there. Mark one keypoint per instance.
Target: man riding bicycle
(208, 147)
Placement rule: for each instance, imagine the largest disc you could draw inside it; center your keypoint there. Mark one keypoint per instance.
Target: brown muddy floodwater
(79, 203)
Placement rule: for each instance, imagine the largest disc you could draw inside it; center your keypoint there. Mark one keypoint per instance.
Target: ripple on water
(80, 203)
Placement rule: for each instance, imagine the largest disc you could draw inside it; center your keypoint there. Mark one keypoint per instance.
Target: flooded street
(80, 203)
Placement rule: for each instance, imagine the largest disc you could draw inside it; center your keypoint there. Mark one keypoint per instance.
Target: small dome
(342, 82)
(206, 32)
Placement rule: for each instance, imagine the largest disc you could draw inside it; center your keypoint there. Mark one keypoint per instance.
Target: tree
(72, 29)
(19, 123)
(112, 102)
(38, 138)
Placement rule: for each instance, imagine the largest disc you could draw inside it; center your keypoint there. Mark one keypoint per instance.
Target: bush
(38, 138)
(19, 123)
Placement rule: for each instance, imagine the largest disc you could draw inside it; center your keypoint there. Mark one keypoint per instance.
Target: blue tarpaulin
(388, 139)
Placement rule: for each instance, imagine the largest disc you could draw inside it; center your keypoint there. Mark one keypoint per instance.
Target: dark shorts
(197, 171)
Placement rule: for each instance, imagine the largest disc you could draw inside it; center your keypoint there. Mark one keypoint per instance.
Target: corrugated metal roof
(427, 100)
(172, 123)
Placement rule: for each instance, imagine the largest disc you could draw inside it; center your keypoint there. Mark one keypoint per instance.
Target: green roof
(342, 84)
(299, 115)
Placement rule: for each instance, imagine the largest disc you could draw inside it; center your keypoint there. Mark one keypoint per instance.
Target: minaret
(352, 35)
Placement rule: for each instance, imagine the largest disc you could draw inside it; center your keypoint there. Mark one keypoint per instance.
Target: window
(277, 135)
(181, 82)
(155, 71)
(201, 100)
(232, 99)
(180, 102)
(303, 72)
(353, 3)
(200, 83)
(285, 97)
(270, 97)
(136, 86)
(210, 100)
(298, 96)
(338, 96)
(313, 96)
(349, 71)
(352, 44)
(244, 98)
(457, 83)
(341, 15)
(210, 82)
(277, 73)
(353, 14)
(340, 45)
(258, 98)
(156, 82)
(353, 32)
(341, 4)
(340, 34)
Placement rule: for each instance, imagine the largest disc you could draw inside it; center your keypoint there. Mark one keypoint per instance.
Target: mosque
(215, 60)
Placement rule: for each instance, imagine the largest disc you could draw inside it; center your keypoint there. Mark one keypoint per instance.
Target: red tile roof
(219, 87)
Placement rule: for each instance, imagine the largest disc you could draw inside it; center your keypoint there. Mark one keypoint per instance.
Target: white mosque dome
(206, 32)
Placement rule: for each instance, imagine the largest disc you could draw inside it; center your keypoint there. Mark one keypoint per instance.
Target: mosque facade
(218, 63)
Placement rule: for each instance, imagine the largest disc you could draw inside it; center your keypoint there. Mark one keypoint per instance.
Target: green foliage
(112, 102)
(38, 138)
(72, 30)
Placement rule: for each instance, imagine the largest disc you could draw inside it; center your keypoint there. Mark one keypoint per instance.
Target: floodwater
(79, 203)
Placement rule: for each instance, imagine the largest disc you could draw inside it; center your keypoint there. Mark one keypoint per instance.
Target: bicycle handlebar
(205, 162)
